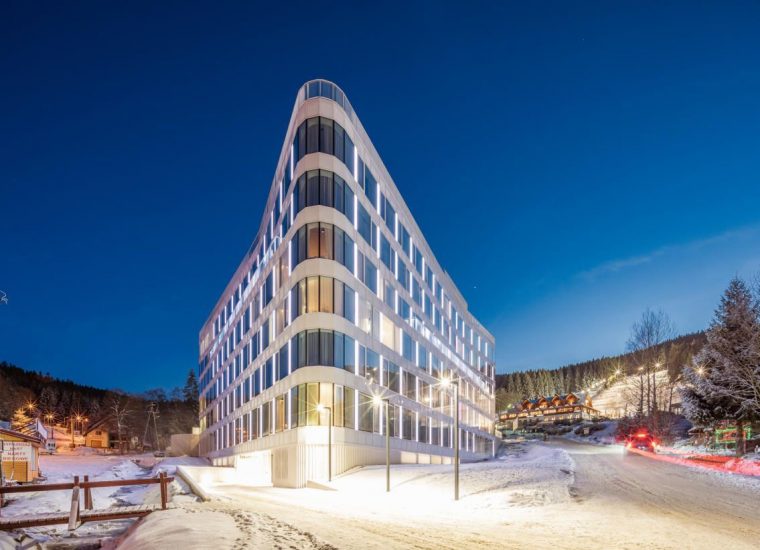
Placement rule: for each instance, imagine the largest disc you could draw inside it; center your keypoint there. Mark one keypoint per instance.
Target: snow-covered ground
(605, 436)
(63, 466)
(619, 398)
(535, 494)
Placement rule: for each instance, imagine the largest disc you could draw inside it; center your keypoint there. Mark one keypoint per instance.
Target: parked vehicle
(641, 440)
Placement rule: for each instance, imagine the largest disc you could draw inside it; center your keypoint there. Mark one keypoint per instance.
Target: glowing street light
(448, 383)
(320, 409)
(377, 400)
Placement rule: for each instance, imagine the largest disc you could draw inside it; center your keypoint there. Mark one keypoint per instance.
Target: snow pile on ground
(603, 436)
(62, 469)
(186, 529)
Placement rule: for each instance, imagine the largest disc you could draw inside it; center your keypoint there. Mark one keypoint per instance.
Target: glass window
(409, 425)
(339, 350)
(372, 366)
(403, 238)
(266, 418)
(370, 187)
(349, 153)
(339, 142)
(293, 407)
(325, 400)
(326, 136)
(349, 407)
(326, 241)
(403, 274)
(312, 347)
(279, 414)
(301, 140)
(338, 297)
(407, 347)
(366, 412)
(301, 349)
(338, 245)
(299, 197)
(365, 224)
(338, 405)
(348, 253)
(299, 246)
(391, 380)
(385, 252)
(416, 291)
(312, 135)
(326, 188)
(312, 401)
(418, 260)
(389, 295)
(349, 351)
(370, 275)
(338, 193)
(410, 385)
(348, 202)
(300, 300)
(349, 303)
(312, 294)
(326, 351)
(312, 188)
(282, 363)
(303, 405)
(313, 246)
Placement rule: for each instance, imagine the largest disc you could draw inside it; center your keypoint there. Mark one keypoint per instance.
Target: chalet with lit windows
(103, 434)
(549, 409)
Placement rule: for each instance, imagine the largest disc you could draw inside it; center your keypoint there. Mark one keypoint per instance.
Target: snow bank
(605, 436)
(185, 529)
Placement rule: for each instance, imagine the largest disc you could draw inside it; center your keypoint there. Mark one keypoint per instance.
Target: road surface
(608, 501)
(673, 503)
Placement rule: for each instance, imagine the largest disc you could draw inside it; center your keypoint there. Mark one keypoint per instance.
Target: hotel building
(339, 299)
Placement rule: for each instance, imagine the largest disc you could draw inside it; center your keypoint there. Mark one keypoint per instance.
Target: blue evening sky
(571, 163)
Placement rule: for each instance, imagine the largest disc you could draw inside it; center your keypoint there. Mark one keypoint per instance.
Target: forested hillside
(41, 394)
(513, 387)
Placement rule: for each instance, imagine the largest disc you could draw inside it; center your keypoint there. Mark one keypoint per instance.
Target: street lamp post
(455, 385)
(321, 408)
(377, 400)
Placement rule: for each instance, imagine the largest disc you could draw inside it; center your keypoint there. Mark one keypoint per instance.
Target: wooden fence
(75, 517)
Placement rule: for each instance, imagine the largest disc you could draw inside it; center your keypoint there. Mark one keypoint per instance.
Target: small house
(19, 455)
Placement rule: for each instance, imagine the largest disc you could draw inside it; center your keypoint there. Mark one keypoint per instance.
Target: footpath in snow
(420, 510)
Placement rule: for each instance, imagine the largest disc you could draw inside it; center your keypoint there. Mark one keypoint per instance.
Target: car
(641, 440)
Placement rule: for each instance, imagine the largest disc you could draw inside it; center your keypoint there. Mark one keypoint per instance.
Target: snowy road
(585, 496)
(661, 504)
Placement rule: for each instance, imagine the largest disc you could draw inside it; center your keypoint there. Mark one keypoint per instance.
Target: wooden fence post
(74, 511)
(162, 477)
(87, 494)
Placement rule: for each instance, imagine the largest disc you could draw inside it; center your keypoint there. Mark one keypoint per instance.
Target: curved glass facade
(339, 280)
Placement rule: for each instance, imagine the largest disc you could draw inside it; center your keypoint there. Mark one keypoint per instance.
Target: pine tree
(20, 420)
(190, 391)
(724, 379)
